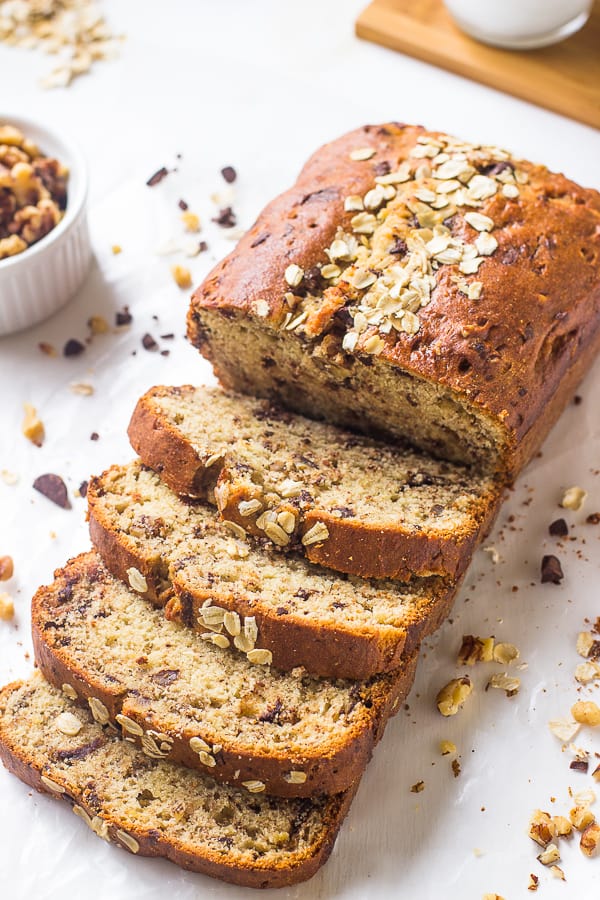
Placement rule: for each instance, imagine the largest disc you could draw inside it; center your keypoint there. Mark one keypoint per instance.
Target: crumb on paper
(418, 787)
(493, 553)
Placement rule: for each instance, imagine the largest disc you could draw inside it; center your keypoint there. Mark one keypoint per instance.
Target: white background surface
(259, 86)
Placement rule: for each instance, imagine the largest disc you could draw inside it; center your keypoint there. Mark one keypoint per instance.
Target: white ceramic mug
(519, 24)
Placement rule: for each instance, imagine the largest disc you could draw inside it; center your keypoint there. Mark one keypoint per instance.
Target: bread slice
(337, 626)
(418, 286)
(188, 700)
(347, 502)
(153, 807)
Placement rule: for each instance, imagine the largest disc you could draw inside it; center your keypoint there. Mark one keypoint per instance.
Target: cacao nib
(158, 176)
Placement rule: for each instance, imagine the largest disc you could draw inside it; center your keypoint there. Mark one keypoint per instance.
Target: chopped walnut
(586, 712)
(33, 427)
(182, 276)
(505, 682)
(562, 826)
(585, 642)
(447, 747)
(550, 855)
(563, 729)
(573, 498)
(33, 192)
(6, 568)
(542, 828)
(532, 884)
(7, 607)
(581, 816)
(475, 649)
(452, 696)
(505, 653)
(590, 839)
(557, 872)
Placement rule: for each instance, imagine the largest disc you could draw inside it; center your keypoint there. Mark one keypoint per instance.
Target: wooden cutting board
(564, 78)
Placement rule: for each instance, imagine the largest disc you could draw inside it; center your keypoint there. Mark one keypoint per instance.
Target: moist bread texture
(155, 808)
(416, 286)
(184, 699)
(347, 502)
(304, 615)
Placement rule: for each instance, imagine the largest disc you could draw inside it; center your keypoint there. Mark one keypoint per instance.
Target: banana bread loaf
(152, 807)
(188, 700)
(303, 615)
(417, 286)
(347, 502)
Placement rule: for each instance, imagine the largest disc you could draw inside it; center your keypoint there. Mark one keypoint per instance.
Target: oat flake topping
(384, 269)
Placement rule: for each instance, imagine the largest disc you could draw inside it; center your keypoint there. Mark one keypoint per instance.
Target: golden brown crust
(355, 548)
(513, 353)
(327, 773)
(331, 652)
(300, 867)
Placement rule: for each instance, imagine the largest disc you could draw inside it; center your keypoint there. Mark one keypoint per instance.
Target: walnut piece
(590, 839)
(33, 427)
(6, 568)
(452, 696)
(586, 712)
(7, 607)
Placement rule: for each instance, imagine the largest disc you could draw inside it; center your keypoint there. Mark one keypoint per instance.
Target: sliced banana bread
(302, 615)
(155, 808)
(185, 699)
(415, 285)
(347, 502)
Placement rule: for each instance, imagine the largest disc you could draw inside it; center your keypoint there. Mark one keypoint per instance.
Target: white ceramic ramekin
(38, 281)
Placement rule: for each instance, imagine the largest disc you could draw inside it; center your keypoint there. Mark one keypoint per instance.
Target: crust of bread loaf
(331, 652)
(329, 770)
(355, 548)
(522, 343)
(300, 867)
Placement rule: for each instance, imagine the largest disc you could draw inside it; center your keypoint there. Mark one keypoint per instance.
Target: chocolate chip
(229, 174)
(577, 400)
(158, 176)
(183, 205)
(54, 488)
(260, 239)
(551, 570)
(165, 677)
(558, 528)
(382, 168)
(83, 488)
(73, 347)
(580, 765)
(313, 281)
(398, 248)
(202, 247)
(94, 436)
(148, 343)
(226, 218)
(593, 519)
(123, 316)
(437, 509)
(167, 337)
(165, 352)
